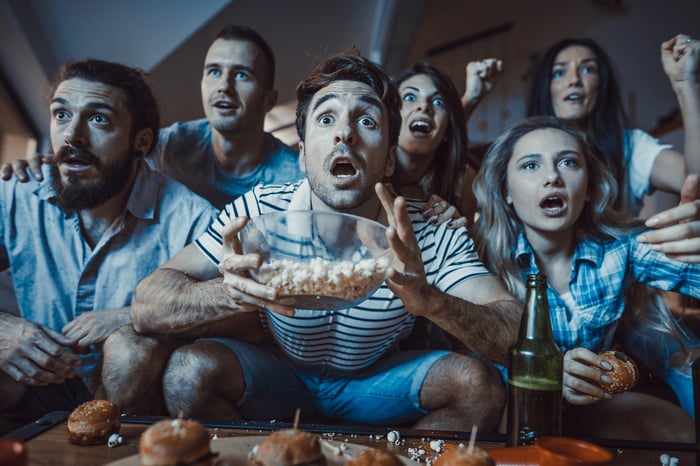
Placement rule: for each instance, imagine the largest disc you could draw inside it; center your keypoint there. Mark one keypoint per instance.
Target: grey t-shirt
(184, 152)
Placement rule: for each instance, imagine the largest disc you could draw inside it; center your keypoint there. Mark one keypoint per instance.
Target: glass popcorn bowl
(318, 260)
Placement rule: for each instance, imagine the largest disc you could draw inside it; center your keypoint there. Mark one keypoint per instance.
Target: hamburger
(375, 457)
(175, 442)
(461, 456)
(289, 447)
(624, 372)
(92, 422)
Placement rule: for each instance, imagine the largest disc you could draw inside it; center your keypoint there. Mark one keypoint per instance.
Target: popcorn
(320, 277)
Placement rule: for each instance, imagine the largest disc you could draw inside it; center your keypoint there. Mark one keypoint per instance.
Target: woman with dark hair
(432, 156)
(575, 81)
(546, 206)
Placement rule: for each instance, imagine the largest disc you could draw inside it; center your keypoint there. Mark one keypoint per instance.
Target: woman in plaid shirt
(546, 206)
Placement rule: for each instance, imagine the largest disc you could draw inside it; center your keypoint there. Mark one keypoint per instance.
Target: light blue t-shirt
(58, 276)
(185, 152)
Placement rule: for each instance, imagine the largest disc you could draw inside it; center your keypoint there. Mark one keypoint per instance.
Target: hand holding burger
(624, 373)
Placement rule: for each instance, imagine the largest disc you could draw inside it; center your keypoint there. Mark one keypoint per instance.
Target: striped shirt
(600, 274)
(354, 338)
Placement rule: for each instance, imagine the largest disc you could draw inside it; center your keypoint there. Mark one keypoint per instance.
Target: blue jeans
(386, 393)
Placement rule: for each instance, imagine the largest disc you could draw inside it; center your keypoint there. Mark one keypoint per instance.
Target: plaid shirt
(600, 274)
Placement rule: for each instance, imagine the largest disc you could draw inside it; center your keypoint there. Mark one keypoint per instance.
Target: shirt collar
(586, 250)
(301, 200)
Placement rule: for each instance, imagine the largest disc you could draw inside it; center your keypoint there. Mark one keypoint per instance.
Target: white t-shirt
(641, 150)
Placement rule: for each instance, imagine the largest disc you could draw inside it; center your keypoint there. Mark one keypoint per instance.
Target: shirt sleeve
(453, 260)
(659, 271)
(211, 242)
(641, 151)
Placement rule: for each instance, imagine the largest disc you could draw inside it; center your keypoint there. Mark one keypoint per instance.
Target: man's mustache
(68, 153)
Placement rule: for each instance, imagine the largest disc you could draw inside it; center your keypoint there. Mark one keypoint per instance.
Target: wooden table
(47, 443)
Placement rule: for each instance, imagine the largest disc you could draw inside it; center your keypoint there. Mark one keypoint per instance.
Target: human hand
(21, 168)
(443, 211)
(33, 354)
(94, 327)
(677, 231)
(247, 294)
(679, 57)
(582, 370)
(406, 277)
(481, 77)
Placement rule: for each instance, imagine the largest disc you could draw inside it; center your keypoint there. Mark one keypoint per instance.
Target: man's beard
(76, 194)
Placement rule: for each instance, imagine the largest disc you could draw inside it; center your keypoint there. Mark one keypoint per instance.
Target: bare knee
(132, 370)
(467, 386)
(127, 345)
(199, 376)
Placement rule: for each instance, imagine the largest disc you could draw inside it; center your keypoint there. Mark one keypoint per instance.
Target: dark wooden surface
(47, 444)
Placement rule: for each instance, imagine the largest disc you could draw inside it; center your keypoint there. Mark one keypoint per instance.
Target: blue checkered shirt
(600, 274)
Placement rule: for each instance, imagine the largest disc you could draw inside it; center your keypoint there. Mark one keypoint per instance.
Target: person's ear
(302, 157)
(143, 141)
(390, 165)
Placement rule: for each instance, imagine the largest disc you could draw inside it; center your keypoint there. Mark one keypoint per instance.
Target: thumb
(691, 189)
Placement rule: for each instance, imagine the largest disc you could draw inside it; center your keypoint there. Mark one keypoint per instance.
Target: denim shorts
(386, 393)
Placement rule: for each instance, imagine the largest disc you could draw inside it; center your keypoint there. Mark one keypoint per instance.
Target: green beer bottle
(535, 370)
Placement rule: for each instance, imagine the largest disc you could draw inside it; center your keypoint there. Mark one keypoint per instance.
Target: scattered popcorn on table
(393, 436)
(437, 445)
(115, 440)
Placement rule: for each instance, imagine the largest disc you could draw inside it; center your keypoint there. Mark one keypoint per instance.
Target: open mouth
(224, 105)
(420, 126)
(576, 97)
(343, 169)
(553, 203)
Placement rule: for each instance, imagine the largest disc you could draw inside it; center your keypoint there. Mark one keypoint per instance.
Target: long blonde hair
(498, 221)
(496, 232)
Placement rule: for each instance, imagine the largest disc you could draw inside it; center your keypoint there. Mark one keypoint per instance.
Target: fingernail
(642, 238)
(605, 378)
(652, 222)
(606, 365)
(607, 396)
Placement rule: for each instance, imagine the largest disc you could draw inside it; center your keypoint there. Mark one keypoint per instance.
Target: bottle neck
(535, 324)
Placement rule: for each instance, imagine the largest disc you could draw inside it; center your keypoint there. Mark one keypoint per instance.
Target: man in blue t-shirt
(227, 153)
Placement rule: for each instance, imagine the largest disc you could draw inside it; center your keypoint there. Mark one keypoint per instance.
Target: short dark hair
(140, 101)
(235, 32)
(350, 66)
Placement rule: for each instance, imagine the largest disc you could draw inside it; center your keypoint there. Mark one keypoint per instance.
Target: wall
(631, 34)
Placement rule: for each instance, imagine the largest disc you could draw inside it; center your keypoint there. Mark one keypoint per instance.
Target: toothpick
(296, 418)
(472, 440)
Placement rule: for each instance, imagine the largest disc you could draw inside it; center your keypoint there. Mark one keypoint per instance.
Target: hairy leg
(459, 392)
(203, 380)
(633, 416)
(132, 371)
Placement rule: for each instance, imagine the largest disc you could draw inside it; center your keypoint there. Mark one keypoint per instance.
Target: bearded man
(78, 242)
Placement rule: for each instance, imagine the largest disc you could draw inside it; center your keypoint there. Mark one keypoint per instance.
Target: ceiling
(169, 39)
